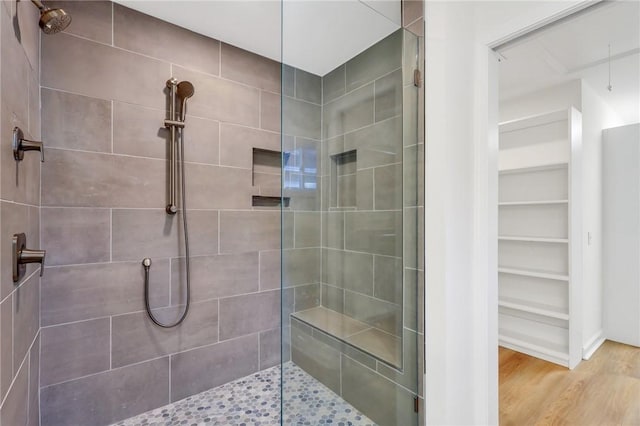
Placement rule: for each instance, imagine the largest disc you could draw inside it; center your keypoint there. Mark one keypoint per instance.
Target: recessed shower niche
(266, 177)
(343, 179)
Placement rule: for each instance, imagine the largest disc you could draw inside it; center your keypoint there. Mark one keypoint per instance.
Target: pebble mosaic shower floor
(255, 400)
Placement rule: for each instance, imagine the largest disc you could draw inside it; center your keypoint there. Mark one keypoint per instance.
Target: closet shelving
(538, 241)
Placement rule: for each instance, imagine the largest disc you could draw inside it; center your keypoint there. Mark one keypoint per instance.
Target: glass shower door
(352, 340)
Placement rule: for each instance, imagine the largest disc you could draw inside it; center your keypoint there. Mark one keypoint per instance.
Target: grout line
(110, 343)
(170, 384)
(110, 235)
(219, 143)
(260, 109)
(200, 117)
(218, 233)
(112, 124)
(118, 154)
(15, 377)
(257, 333)
(113, 36)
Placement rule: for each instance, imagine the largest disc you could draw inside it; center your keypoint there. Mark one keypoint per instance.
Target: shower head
(52, 21)
(185, 91)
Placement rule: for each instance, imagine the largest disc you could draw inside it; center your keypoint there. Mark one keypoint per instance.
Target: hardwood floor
(602, 391)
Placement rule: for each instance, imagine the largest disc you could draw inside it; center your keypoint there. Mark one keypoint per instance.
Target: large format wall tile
(99, 290)
(26, 318)
(384, 402)
(75, 235)
(204, 368)
(374, 232)
(301, 118)
(83, 179)
(215, 276)
(221, 99)
(246, 67)
(70, 351)
(378, 313)
(214, 187)
(6, 345)
(377, 145)
(14, 78)
(135, 338)
(388, 187)
(75, 121)
(316, 358)
(306, 297)
(271, 350)
(91, 20)
(308, 87)
(270, 114)
(251, 313)
(270, 269)
(150, 36)
(333, 84)
(14, 219)
(81, 66)
(25, 25)
(244, 231)
(348, 113)
(34, 384)
(300, 266)
(237, 143)
(107, 397)
(380, 59)
(348, 270)
(20, 180)
(307, 229)
(388, 93)
(15, 408)
(140, 131)
(155, 234)
(388, 278)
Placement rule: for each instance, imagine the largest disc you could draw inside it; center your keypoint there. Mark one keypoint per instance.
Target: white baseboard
(593, 344)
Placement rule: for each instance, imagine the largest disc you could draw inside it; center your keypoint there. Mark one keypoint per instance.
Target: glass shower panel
(350, 221)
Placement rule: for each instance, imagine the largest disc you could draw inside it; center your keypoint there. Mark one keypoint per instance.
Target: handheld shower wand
(178, 91)
(184, 91)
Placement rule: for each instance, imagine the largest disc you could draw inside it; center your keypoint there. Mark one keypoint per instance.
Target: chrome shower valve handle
(21, 145)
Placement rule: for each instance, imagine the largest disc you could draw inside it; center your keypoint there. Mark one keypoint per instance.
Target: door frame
(461, 199)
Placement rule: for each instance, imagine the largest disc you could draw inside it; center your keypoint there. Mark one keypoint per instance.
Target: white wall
(554, 98)
(461, 381)
(596, 116)
(621, 234)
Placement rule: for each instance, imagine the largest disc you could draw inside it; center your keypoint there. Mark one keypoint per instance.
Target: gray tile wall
(19, 212)
(362, 111)
(372, 252)
(103, 197)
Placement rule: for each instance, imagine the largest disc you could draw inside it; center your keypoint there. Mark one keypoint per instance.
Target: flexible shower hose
(147, 262)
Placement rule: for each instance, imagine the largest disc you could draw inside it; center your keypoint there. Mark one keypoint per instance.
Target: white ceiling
(318, 35)
(578, 49)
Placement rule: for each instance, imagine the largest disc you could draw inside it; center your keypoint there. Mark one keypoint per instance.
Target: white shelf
(534, 347)
(534, 308)
(551, 166)
(532, 203)
(535, 239)
(535, 274)
(539, 226)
